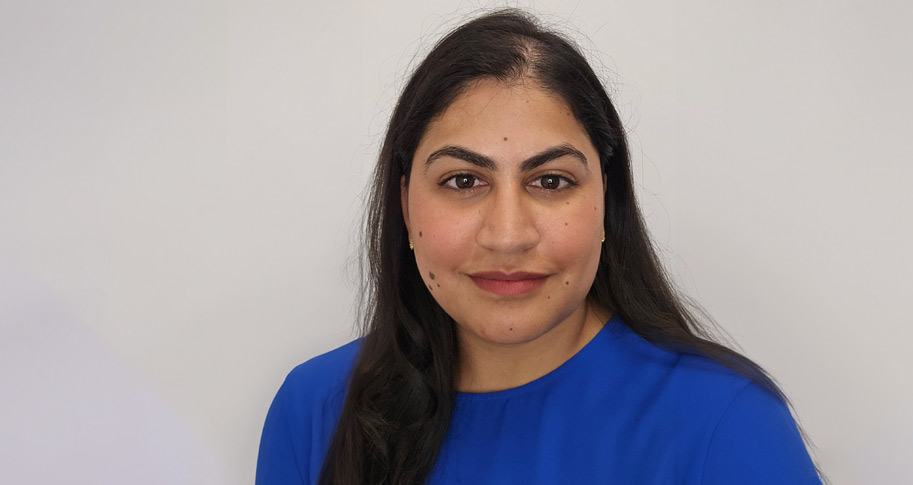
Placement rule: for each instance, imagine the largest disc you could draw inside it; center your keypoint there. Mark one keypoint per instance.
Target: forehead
(529, 117)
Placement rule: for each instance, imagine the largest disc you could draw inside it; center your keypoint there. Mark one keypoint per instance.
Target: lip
(508, 284)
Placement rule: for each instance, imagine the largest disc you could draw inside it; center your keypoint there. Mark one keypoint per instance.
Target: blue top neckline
(568, 366)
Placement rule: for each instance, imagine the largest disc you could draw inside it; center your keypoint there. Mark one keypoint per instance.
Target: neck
(489, 367)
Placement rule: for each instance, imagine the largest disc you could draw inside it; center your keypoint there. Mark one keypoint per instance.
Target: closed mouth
(508, 284)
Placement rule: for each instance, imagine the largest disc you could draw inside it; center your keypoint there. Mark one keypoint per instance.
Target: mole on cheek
(567, 282)
(438, 285)
(420, 232)
(565, 223)
(431, 275)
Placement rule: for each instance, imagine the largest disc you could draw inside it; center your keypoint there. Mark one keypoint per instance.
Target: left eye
(551, 182)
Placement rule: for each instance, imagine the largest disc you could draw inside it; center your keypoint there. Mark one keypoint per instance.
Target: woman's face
(505, 207)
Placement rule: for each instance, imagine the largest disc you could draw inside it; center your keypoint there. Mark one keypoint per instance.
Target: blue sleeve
(757, 442)
(277, 462)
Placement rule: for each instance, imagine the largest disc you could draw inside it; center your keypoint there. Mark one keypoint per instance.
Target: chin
(510, 333)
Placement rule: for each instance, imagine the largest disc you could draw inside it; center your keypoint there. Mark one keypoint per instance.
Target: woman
(521, 329)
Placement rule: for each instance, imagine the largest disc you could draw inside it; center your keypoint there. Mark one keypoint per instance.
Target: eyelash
(564, 183)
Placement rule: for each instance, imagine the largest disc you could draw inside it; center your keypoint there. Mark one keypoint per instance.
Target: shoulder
(324, 375)
(742, 432)
(302, 417)
(723, 427)
(756, 440)
(694, 383)
(696, 387)
(704, 384)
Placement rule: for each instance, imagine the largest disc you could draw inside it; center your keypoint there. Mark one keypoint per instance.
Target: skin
(508, 217)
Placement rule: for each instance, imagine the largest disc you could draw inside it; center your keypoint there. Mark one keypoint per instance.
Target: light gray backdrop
(180, 183)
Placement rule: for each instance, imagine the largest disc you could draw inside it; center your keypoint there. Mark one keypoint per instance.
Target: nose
(508, 222)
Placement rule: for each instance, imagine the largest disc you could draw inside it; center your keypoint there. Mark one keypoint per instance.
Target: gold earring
(411, 247)
(603, 235)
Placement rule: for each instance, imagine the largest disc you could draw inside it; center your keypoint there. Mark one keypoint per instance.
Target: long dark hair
(401, 392)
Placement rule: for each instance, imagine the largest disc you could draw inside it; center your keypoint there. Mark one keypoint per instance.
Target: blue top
(619, 411)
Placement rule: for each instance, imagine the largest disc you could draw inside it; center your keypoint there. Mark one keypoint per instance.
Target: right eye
(462, 181)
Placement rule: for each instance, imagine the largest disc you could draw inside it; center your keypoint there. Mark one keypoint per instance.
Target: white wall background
(180, 183)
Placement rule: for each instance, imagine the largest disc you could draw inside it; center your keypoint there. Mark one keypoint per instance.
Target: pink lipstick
(508, 284)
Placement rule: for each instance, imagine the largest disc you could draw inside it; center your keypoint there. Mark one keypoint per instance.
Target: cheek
(575, 235)
(443, 243)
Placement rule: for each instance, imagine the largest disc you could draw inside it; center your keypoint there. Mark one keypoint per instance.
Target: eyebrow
(530, 163)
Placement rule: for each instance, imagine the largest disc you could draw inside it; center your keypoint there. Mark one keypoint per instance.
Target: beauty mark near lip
(508, 284)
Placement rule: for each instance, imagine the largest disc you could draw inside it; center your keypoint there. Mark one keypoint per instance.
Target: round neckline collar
(605, 333)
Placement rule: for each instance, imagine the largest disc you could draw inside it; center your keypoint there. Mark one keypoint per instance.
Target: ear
(404, 201)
